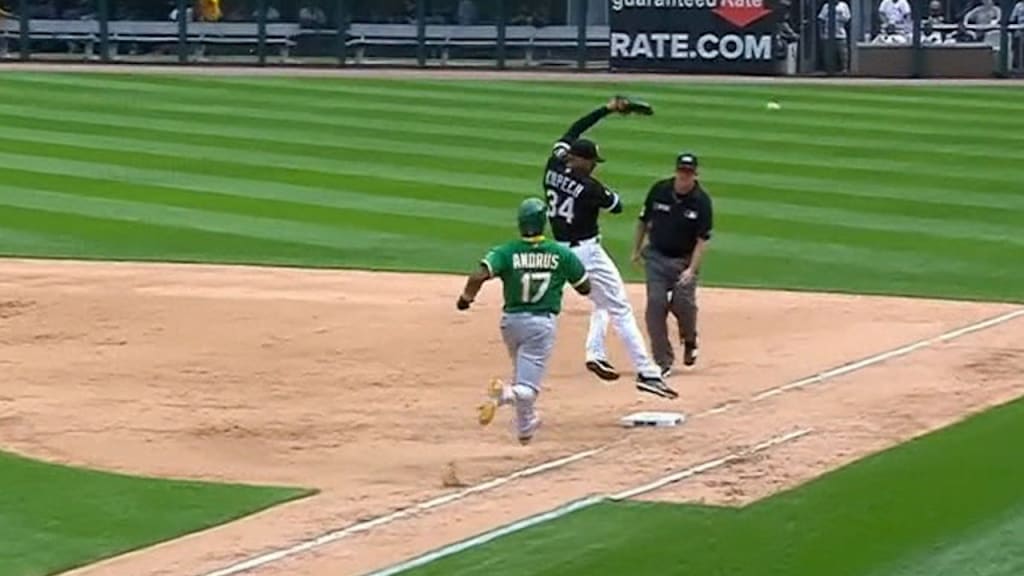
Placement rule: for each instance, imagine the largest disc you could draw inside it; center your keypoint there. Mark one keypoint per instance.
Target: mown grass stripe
(261, 227)
(326, 193)
(908, 187)
(635, 138)
(866, 122)
(635, 154)
(241, 217)
(71, 235)
(777, 210)
(367, 216)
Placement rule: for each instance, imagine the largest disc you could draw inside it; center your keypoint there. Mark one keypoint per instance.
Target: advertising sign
(706, 36)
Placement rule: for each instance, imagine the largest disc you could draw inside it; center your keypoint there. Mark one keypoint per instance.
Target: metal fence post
(502, 25)
(421, 33)
(103, 9)
(26, 51)
(832, 46)
(342, 19)
(182, 32)
(917, 61)
(581, 35)
(1005, 54)
(261, 31)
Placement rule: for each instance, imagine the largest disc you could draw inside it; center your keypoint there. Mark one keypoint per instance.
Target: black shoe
(655, 386)
(603, 369)
(689, 353)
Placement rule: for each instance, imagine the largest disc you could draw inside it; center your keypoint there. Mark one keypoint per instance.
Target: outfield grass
(53, 518)
(947, 504)
(912, 190)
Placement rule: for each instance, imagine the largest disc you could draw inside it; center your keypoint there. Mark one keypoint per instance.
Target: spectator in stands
(209, 10)
(961, 35)
(897, 13)
(190, 14)
(936, 15)
(984, 15)
(527, 18)
(467, 13)
(929, 35)
(785, 33)
(890, 35)
(273, 15)
(841, 19)
(311, 16)
(1017, 15)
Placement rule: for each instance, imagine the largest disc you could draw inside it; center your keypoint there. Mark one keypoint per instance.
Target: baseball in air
(773, 105)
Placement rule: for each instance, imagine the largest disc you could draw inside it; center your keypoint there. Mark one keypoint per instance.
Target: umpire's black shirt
(677, 220)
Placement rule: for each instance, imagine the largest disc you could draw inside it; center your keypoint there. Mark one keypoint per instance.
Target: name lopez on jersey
(563, 183)
(535, 261)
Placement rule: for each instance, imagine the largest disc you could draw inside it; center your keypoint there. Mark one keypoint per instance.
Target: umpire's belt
(575, 243)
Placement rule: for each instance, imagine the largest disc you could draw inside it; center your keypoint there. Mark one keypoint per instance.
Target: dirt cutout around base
(364, 385)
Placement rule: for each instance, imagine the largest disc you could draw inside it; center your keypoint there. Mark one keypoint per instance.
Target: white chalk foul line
(879, 358)
(571, 507)
(490, 535)
(364, 526)
(710, 465)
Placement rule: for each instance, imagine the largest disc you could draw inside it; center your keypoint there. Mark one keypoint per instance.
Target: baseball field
(229, 341)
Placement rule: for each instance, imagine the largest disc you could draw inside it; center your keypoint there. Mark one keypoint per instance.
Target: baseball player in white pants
(575, 200)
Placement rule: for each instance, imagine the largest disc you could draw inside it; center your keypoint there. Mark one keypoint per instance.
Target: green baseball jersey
(534, 273)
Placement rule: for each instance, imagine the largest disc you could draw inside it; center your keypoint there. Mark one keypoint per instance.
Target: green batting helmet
(533, 214)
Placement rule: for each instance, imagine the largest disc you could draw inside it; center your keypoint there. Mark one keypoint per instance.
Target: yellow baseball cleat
(488, 409)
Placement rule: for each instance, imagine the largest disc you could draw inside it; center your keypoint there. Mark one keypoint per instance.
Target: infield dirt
(364, 386)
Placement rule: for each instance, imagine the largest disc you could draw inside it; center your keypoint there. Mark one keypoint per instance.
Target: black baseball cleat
(655, 385)
(689, 353)
(666, 372)
(603, 369)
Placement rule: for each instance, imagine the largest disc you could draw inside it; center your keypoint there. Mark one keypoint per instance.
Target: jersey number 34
(563, 210)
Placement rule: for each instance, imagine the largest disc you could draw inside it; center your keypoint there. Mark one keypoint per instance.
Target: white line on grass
(574, 506)
(339, 534)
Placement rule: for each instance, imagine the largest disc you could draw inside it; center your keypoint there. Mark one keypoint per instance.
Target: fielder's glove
(463, 304)
(629, 105)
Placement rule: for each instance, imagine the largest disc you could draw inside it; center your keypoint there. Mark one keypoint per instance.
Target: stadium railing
(198, 34)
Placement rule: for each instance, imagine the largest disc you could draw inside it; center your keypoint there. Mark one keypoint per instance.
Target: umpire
(677, 220)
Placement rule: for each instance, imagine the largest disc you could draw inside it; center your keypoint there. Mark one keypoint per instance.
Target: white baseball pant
(608, 293)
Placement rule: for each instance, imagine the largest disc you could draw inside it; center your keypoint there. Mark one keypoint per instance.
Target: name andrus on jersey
(563, 183)
(534, 261)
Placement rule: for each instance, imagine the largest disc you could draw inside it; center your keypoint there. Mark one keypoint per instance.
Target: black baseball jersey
(575, 200)
(677, 221)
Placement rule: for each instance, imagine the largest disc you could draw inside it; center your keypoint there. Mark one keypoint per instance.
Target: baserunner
(533, 271)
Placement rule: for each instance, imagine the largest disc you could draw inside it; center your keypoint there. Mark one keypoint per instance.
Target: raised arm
(617, 104)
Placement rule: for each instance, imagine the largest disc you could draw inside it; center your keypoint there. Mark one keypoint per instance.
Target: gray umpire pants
(664, 295)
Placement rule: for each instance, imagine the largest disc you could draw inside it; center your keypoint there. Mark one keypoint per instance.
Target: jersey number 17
(563, 210)
(535, 286)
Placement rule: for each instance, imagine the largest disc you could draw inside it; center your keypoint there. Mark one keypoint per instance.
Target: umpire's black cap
(686, 161)
(586, 149)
